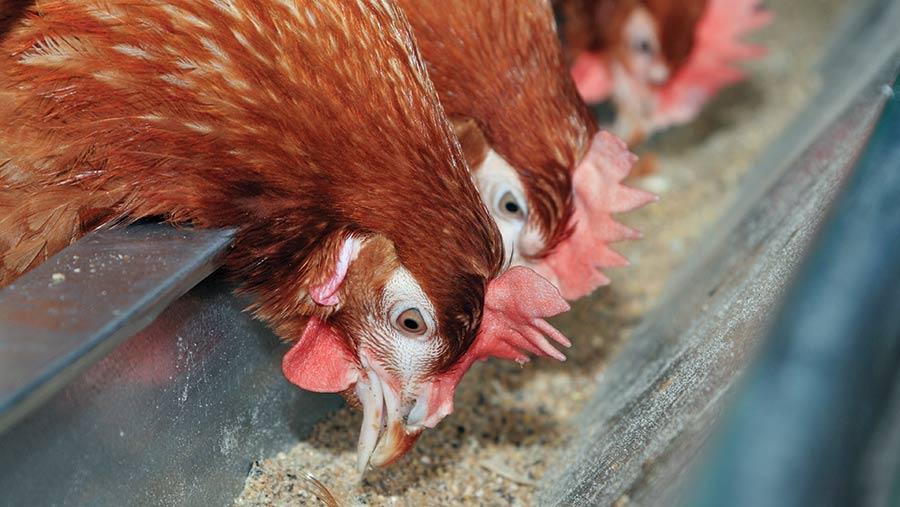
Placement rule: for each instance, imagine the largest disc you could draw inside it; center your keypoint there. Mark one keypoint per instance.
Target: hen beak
(388, 431)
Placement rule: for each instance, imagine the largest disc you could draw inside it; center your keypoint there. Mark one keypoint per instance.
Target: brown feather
(677, 21)
(594, 25)
(10, 11)
(471, 139)
(500, 64)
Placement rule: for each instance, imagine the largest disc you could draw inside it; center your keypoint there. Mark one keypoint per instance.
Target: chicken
(313, 129)
(660, 61)
(549, 179)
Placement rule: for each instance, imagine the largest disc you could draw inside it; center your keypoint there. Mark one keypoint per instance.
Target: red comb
(512, 327)
(576, 262)
(710, 66)
(513, 324)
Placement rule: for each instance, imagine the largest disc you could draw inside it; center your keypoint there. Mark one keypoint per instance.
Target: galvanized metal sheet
(77, 306)
(174, 415)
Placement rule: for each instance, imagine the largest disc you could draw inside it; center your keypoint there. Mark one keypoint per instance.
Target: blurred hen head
(660, 60)
(656, 38)
(647, 39)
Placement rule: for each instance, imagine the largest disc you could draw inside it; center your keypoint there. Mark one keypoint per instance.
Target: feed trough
(162, 391)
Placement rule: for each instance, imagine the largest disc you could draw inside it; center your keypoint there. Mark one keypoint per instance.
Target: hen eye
(643, 46)
(510, 206)
(412, 322)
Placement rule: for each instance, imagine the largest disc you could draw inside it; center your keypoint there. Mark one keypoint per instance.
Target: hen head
(382, 341)
(660, 60)
(574, 261)
(609, 40)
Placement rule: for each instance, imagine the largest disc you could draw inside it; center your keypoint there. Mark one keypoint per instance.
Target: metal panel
(805, 417)
(71, 310)
(173, 416)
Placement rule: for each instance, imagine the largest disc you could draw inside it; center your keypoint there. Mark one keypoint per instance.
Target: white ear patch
(410, 354)
(500, 185)
(403, 292)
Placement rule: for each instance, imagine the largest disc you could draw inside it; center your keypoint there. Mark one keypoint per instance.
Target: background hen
(660, 61)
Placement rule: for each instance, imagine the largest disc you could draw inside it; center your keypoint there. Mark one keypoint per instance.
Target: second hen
(551, 181)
